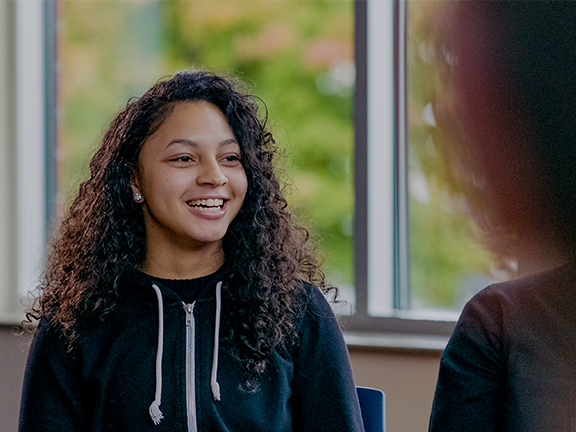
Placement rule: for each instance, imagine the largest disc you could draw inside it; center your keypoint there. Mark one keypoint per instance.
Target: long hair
(103, 235)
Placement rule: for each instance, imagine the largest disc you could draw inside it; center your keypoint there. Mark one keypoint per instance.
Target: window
(419, 255)
(22, 132)
(350, 87)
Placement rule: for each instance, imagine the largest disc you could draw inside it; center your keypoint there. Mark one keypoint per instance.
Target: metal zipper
(190, 368)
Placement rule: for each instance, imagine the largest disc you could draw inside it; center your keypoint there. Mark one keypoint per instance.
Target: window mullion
(30, 141)
(402, 295)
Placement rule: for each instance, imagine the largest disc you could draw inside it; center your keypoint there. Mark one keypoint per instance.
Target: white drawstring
(154, 409)
(214, 386)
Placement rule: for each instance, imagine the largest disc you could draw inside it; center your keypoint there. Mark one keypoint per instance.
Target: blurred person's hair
(510, 76)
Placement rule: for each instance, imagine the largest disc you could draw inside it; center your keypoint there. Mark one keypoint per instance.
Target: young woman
(179, 295)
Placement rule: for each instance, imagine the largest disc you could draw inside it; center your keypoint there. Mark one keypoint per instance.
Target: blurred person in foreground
(510, 364)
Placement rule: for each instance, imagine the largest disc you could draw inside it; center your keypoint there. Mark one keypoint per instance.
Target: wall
(13, 352)
(407, 377)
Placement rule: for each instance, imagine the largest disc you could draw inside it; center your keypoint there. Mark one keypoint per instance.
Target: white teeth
(210, 203)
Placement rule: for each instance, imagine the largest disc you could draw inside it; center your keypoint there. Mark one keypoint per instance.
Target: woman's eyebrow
(228, 142)
(192, 143)
(186, 142)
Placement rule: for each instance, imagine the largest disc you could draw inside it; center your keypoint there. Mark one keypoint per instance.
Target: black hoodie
(134, 372)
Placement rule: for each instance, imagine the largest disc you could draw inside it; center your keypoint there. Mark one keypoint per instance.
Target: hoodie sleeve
(323, 392)
(51, 390)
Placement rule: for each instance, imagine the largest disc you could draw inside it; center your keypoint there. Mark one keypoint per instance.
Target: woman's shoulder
(547, 286)
(313, 307)
(49, 340)
(520, 304)
(313, 299)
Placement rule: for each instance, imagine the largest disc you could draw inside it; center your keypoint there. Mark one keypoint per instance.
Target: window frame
(30, 141)
(400, 320)
(28, 79)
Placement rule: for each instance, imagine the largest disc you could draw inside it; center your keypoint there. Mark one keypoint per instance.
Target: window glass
(449, 255)
(296, 55)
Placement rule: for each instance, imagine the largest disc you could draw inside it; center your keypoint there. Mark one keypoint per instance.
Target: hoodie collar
(136, 285)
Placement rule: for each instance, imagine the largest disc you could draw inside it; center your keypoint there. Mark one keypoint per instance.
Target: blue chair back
(373, 407)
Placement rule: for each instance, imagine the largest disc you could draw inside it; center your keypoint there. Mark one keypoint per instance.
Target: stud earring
(137, 197)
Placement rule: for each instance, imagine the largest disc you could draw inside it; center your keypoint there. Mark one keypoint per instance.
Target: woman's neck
(189, 264)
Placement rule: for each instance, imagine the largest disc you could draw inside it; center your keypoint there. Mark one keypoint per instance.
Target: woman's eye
(232, 158)
(183, 159)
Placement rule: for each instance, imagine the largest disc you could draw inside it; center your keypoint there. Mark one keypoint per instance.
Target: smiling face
(191, 181)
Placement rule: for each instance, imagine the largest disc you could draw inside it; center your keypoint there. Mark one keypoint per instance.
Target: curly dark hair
(103, 236)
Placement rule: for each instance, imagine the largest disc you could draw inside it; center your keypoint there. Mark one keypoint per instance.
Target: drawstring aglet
(155, 413)
(215, 390)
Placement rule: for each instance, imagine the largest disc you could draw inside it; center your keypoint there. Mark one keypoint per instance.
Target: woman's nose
(211, 174)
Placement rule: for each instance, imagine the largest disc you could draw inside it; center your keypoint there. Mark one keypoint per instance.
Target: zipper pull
(189, 308)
